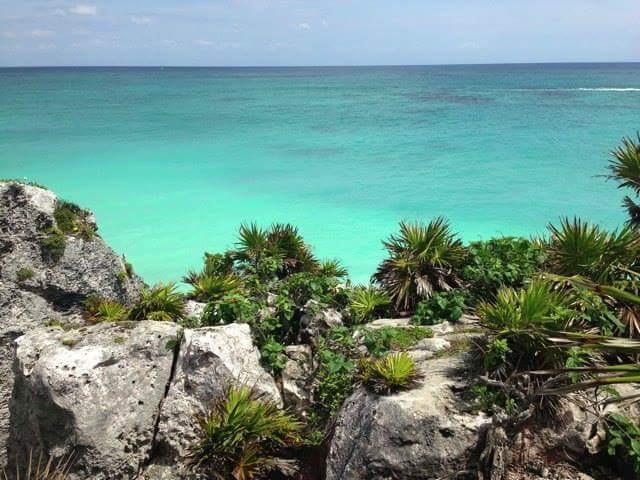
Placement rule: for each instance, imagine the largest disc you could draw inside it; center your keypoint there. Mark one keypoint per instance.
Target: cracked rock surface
(53, 291)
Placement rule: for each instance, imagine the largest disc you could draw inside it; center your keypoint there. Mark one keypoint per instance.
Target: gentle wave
(608, 89)
(580, 89)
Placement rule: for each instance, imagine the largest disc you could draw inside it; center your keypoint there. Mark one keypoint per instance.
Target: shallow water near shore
(173, 160)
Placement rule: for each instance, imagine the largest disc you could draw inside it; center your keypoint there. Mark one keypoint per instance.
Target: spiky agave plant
(161, 302)
(240, 437)
(624, 167)
(332, 268)
(422, 259)
(577, 247)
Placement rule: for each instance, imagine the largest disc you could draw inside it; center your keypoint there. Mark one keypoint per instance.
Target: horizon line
(623, 62)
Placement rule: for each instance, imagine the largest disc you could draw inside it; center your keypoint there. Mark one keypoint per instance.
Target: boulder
(423, 433)
(209, 360)
(194, 310)
(317, 320)
(296, 377)
(93, 392)
(35, 291)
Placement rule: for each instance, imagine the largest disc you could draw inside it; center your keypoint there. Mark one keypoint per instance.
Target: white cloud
(84, 9)
(141, 20)
(59, 12)
(204, 43)
(41, 33)
(8, 35)
(46, 46)
(92, 42)
(304, 26)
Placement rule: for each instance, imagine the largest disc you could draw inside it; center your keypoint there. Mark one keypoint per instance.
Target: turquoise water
(172, 160)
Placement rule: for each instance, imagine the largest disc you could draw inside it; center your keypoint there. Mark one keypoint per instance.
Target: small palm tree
(240, 437)
(625, 168)
(422, 259)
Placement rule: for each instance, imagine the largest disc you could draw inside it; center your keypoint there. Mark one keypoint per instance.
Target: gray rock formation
(34, 291)
(210, 359)
(316, 321)
(418, 434)
(93, 392)
(297, 377)
(123, 397)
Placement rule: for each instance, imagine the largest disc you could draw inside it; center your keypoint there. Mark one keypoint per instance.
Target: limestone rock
(93, 391)
(34, 291)
(296, 377)
(193, 309)
(209, 360)
(316, 321)
(417, 434)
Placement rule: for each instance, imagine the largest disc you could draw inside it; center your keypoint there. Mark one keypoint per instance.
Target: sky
(316, 32)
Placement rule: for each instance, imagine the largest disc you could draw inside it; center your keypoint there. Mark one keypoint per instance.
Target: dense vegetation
(560, 314)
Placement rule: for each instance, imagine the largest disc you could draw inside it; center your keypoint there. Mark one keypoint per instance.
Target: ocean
(172, 160)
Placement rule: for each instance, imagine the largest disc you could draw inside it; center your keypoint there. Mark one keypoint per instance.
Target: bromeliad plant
(423, 259)
(241, 437)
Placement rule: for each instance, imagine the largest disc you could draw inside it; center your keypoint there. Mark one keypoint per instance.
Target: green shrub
(422, 259)
(389, 374)
(52, 245)
(231, 308)
(380, 341)
(623, 440)
(334, 381)
(73, 220)
(241, 436)
(500, 262)
(272, 355)
(442, 306)
(160, 302)
(367, 303)
(491, 400)
(23, 274)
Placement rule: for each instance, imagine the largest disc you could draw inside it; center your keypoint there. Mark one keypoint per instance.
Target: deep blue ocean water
(172, 160)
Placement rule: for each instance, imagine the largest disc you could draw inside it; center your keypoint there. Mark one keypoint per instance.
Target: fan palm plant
(624, 167)
(367, 303)
(422, 259)
(579, 248)
(240, 436)
(161, 302)
(391, 373)
(281, 245)
(209, 288)
(518, 321)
